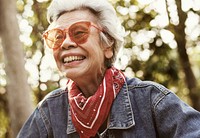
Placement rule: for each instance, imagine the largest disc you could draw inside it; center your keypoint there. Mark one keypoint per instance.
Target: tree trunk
(18, 91)
(180, 37)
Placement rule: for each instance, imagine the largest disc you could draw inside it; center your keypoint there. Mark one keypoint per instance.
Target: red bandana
(88, 114)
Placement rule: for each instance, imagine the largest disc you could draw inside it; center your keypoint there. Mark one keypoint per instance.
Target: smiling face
(83, 61)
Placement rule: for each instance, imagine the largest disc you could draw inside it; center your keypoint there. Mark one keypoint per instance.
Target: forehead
(69, 18)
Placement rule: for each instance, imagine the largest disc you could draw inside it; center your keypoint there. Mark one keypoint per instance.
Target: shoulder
(54, 96)
(135, 83)
(45, 117)
(147, 91)
(54, 102)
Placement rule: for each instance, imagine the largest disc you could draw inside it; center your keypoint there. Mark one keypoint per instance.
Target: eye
(79, 34)
(58, 37)
(78, 31)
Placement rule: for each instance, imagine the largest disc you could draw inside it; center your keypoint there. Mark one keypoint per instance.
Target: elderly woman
(99, 101)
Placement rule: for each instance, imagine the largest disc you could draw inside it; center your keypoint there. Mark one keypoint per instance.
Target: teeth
(73, 58)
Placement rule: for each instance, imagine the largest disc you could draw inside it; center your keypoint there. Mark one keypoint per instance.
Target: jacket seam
(45, 121)
(158, 100)
(161, 89)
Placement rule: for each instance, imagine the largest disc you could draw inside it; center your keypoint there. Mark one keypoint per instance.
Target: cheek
(97, 52)
(56, 58)
(95, 45)
(98, 56)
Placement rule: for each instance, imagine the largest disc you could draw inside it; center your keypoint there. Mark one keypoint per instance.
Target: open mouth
(73, 58)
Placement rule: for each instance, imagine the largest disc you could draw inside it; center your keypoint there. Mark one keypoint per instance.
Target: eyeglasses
(78, 33)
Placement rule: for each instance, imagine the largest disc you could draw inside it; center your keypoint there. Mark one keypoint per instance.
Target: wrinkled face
(80, 60)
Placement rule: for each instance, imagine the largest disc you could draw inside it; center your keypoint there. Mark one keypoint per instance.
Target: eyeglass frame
(65, 30)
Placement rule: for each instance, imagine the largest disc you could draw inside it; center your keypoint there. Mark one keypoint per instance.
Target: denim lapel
(121, 116)
(70, 125)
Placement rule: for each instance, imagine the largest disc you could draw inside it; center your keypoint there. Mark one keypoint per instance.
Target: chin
(71, 74)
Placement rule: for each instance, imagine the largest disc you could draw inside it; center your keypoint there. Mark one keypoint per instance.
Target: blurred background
(162, 44)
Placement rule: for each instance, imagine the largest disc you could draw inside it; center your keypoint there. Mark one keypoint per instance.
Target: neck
(89, 84)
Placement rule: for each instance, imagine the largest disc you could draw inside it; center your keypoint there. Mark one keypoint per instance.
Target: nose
(68, 43)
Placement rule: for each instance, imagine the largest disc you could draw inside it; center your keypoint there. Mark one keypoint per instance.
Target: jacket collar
(121, 116)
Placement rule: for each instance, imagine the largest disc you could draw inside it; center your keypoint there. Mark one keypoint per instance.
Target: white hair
(105, 13)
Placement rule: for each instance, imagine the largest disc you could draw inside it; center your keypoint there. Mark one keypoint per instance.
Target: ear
(108, 52)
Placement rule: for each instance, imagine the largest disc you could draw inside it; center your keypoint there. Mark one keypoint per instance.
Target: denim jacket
(142, 109)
